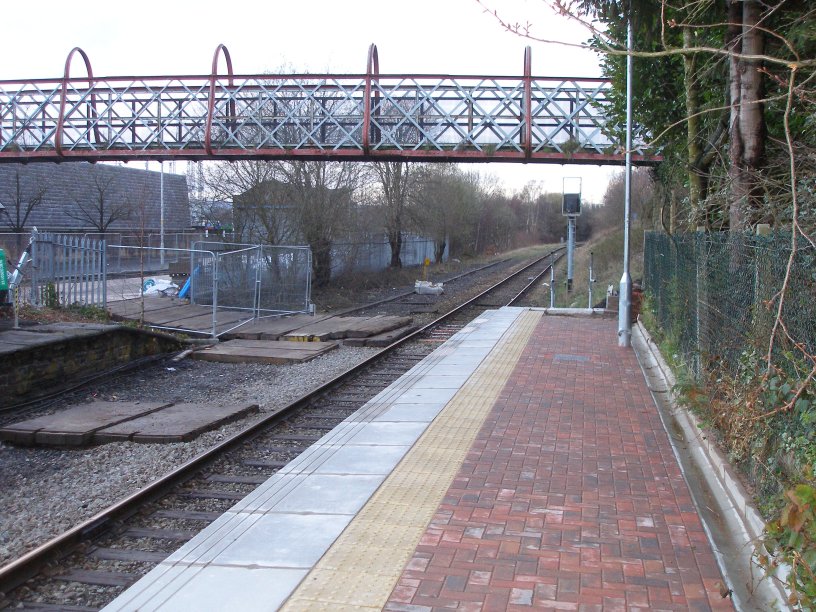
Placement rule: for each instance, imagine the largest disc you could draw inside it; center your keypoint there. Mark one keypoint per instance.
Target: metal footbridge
(363, 117)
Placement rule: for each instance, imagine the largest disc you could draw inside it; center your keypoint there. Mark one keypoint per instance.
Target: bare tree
(320, 194)
(285, 202)
(450, 206)
(745, 40)
(19, 201)
(103, 204)
(395, 182)
(259, 214)
(208, 211)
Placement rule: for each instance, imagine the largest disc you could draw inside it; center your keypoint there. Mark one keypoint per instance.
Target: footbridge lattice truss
(370, 116)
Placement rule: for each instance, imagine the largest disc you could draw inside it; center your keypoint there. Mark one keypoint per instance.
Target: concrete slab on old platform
(177, 423)
(12, 340)
(173, 313)
(133, 308)
(76, 426)
(382, 340)
(263, 351)
(272, 328)
(336, 328)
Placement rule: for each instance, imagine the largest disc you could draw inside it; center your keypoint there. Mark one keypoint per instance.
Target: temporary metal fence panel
(159, 256)
(284, 277)
(130, 285)
(262, 279)
(715, 295)
(66, 270)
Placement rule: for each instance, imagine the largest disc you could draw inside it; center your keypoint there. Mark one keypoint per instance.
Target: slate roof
(69, 183)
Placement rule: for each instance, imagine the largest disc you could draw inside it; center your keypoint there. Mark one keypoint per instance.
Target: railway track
(397, 304)
(89, 565)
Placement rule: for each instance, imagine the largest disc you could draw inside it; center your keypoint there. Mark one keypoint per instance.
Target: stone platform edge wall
(47, 368)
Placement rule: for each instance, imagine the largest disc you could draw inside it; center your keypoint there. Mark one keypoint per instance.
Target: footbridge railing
(310, 116)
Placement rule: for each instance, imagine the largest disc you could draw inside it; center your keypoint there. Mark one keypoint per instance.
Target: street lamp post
(625, 296)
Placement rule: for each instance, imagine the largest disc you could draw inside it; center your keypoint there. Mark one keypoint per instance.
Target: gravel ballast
(46, 491)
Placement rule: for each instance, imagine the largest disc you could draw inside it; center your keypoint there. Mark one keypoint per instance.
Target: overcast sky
(418, 36)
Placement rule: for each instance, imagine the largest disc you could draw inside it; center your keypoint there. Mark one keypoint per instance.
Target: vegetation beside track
(607, 267)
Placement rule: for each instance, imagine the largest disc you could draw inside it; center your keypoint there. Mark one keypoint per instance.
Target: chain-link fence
(716, 299)
(716, 295)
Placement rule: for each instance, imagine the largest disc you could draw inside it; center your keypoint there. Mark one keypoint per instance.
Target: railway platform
(521, 465)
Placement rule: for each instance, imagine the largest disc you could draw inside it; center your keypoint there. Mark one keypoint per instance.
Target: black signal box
(571, 204)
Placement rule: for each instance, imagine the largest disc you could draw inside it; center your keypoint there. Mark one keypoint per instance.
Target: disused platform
(40, 359)
(174, 313)
(521, 465)
(25, 338)
(263, 351)
(171, 312)
(101, 422)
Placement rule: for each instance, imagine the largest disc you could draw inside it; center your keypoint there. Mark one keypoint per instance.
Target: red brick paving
(570, 498)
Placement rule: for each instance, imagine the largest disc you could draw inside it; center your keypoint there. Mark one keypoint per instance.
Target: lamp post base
(624, 311)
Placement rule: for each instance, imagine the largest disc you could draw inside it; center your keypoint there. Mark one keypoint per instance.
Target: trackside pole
(624, 300)
(590, 281)
(570, 250)
(570, 208)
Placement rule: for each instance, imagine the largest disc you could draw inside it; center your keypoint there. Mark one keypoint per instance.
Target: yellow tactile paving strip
(362, 567)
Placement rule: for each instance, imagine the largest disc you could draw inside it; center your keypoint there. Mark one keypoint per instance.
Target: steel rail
(537, 278)
(17, 572)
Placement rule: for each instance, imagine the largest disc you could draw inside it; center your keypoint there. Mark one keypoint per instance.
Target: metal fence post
(63, 288)
(216, 258)
(590, 281)
(259, 263)
(552, 280)
(308, 304)
(82, 293)
(35, 262)
(698, 297)
(104, 263)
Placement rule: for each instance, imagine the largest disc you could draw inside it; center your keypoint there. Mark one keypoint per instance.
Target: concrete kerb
(733, 523)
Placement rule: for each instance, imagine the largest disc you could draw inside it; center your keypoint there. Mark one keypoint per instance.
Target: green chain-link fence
(715, 299)
(716, 295)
